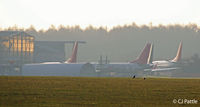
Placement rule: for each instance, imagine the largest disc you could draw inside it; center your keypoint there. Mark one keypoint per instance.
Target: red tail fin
(72, 59)
(143, 58)
(178, 55)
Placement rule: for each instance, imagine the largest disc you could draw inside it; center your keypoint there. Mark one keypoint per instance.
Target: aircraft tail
(73, 57)
(178, 55)
(143, 57)
(150, 59)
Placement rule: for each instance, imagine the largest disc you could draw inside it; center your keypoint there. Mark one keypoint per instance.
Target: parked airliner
(68, 68)
(140, 63)
(166, 65)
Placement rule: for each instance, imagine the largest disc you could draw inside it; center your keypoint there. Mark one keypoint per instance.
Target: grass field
(105, 92)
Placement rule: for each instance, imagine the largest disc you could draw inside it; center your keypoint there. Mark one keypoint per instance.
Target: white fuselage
(75, 69)
(52, 69)
(163, 64)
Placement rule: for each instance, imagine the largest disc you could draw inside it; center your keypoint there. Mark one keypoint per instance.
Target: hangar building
(16, 48)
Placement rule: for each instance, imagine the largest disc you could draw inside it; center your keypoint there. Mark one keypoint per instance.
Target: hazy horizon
(124, 43)
(54, 27)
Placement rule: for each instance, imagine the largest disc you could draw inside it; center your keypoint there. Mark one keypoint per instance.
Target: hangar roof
(12, 33)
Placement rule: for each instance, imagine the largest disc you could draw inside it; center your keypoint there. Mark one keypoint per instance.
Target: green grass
(82, 91)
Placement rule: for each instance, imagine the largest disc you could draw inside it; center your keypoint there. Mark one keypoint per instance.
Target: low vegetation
(93, 91)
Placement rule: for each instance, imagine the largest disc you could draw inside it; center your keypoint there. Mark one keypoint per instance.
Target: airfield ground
(93, 91)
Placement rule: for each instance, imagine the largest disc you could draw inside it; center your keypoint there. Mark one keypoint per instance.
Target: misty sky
(43, 13)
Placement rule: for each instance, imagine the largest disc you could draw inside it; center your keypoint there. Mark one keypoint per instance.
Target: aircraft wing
(161, 69)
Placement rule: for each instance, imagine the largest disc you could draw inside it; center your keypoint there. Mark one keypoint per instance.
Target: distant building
(16, 48)
(49, 51)
(53, 51)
